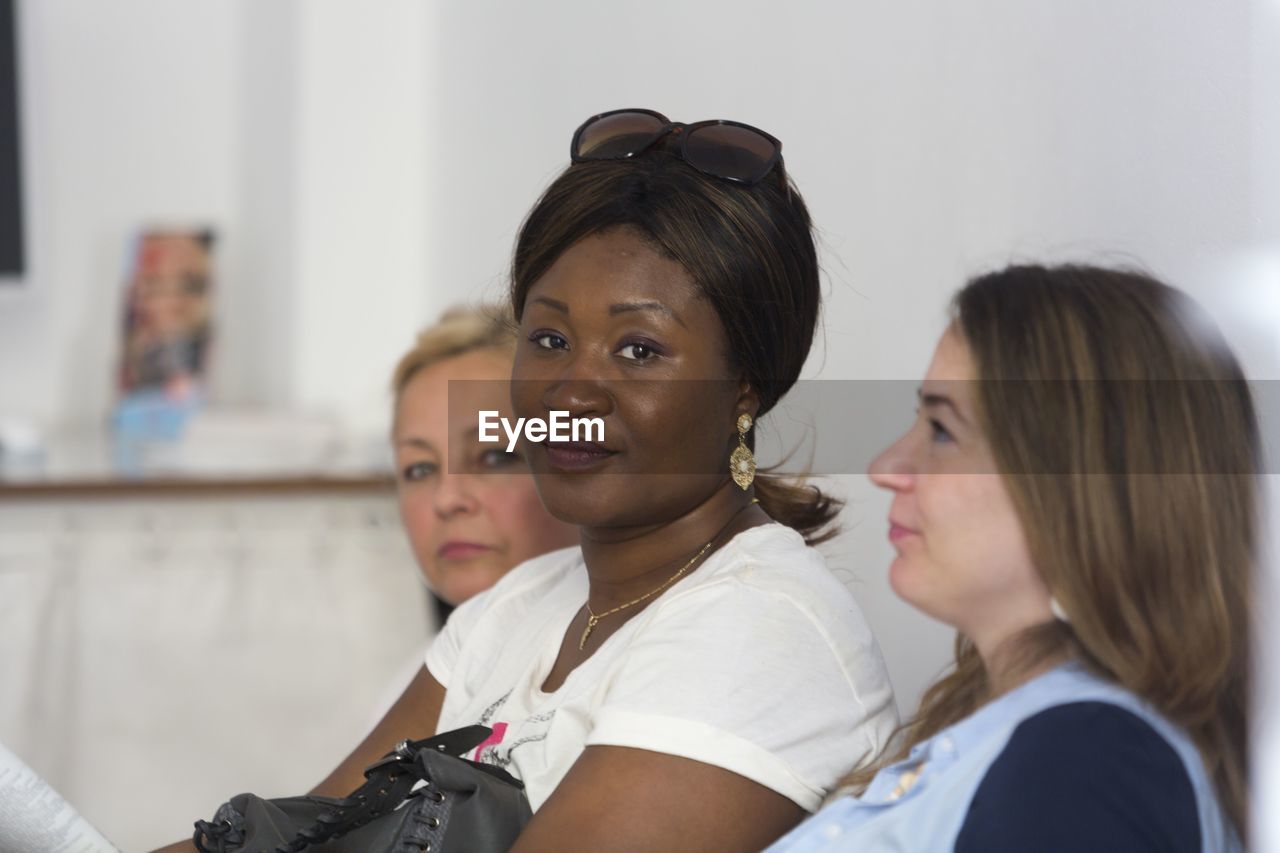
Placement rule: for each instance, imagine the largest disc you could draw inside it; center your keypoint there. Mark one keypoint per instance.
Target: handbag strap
(455, 742)
(387, 782)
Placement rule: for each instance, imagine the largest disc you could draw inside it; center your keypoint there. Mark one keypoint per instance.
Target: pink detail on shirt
(499, 731)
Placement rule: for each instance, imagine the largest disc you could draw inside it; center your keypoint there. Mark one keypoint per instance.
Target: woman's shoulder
(1090, 735)
(535, 577)
(1083, 772)
(517, 590)
(773, 561)
(483, 623)
(770, 549)
(767, 582)
(723, 648)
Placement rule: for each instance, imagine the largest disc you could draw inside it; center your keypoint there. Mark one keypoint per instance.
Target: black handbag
(464, 807)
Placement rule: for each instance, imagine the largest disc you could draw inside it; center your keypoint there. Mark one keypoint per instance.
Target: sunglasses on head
(723, 149)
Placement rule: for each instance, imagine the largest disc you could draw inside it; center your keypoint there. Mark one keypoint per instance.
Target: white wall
(113, 144)
(361, 289)
(296, 129)
(369, 163)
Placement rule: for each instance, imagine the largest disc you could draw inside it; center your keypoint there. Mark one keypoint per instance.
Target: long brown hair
(1127, 438)
(749, 250)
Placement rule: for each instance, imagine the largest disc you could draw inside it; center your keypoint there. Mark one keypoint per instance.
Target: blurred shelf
(194, 486)
(221, 455)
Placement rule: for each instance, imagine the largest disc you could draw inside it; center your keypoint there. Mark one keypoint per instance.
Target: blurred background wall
(368, 163)
(297, 130)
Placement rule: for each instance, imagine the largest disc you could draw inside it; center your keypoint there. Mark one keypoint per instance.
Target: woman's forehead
(950, 375)
(614, 272)
(952, 360)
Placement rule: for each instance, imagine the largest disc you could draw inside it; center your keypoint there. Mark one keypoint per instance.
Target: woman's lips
(576, 456)
(459, 550)
(897, 532)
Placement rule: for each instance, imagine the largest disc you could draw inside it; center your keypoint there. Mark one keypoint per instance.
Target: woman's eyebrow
(932, 400)
(624, 307)
(555, 304)
(413, 441)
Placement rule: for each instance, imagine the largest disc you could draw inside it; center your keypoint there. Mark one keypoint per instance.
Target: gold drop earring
(742, 462)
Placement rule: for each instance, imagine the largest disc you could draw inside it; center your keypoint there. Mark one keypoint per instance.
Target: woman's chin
(905, 582)
(461, 580)
(624, 500)
(583, 501)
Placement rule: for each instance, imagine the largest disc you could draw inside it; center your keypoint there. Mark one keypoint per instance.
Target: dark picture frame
(13, 260)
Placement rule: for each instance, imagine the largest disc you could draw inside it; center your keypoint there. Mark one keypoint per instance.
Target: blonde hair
(460, 330)
(1127, 437)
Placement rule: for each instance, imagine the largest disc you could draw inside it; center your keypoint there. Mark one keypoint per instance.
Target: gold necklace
(593, 619)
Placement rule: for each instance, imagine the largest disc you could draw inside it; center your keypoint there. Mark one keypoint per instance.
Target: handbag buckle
(403, 752)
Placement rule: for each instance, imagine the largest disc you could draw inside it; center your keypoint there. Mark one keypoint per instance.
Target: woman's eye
(938, 433)
(549, 340)
(499, 458)
(638, 351)
(418, 471)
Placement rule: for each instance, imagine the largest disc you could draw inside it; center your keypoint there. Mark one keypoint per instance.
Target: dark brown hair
(749, 250)
(1128, 441)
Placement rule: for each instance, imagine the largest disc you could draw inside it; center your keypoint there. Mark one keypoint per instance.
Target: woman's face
(962, 556)
(471, 510)
(617, 331)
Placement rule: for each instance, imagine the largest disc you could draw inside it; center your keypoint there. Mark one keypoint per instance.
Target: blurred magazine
(35, 819)
(167, 332)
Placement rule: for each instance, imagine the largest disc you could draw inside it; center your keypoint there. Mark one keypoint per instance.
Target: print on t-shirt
(493, 750)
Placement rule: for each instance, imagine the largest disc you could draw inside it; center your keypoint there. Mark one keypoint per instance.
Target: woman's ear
(748, 399)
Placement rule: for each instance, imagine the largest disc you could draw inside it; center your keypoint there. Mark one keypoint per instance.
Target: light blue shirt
(953, 763)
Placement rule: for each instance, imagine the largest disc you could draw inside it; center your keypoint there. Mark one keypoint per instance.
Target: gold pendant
(742, 467)
(591, 624)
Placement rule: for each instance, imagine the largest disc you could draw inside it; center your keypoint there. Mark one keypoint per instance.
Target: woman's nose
(455, 495)
(580, 398)
(581, 390)
(894, 468)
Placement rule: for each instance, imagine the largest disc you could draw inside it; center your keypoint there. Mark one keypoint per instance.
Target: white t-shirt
(758, 662)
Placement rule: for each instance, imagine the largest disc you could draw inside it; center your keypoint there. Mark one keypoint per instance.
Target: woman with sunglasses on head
(1085, 514)
(665, 686)
(692, 676)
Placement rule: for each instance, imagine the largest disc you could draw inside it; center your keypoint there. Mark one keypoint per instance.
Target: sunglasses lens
(731, 151)
(615, 136)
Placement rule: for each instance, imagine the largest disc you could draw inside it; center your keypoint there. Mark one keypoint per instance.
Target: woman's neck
(624, 563)
(1017, 661)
